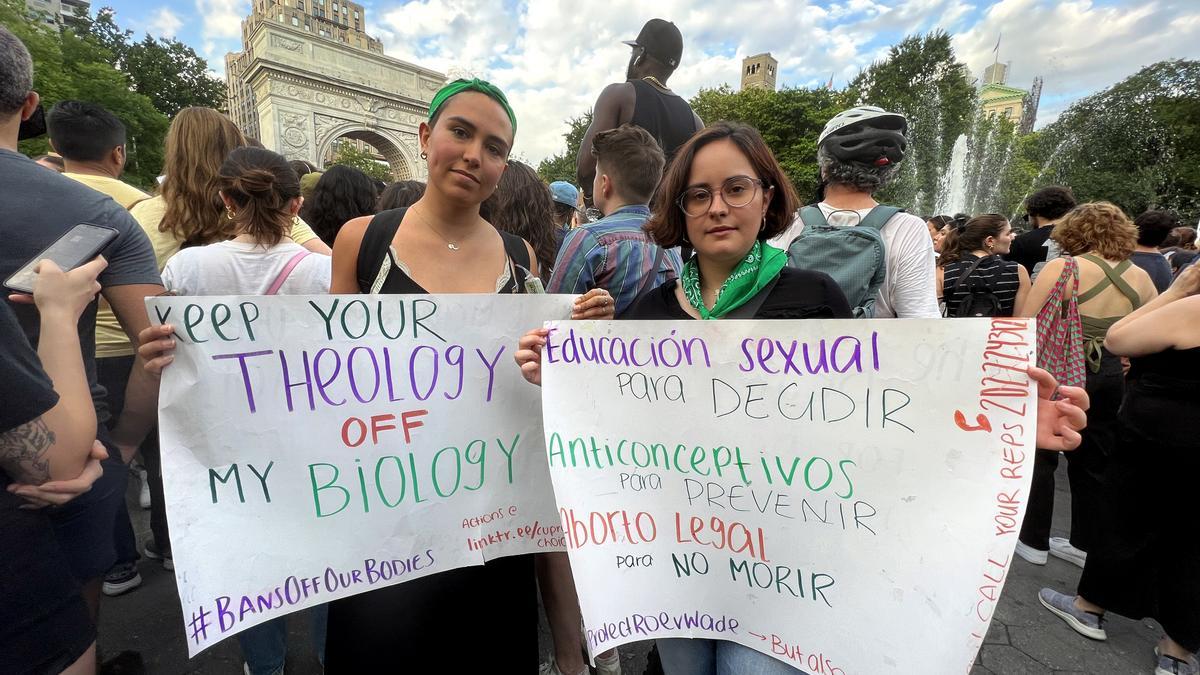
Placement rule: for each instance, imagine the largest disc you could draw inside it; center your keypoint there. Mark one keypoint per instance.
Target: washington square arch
(309, 77)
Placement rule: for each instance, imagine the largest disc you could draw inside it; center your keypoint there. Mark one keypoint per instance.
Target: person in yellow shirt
(91, 141)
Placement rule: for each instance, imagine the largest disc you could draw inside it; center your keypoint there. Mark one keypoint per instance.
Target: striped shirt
(612, 253)
(999, 275)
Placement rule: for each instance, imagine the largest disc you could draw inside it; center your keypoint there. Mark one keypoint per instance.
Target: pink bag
(1060, 332)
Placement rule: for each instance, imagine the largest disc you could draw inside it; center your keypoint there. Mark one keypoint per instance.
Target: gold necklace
(654, 81)
(449, 244)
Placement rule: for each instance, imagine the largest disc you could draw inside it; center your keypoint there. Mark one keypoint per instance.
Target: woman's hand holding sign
(1062, 412)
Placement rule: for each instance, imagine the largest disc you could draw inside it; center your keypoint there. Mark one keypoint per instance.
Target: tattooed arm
(56, 444)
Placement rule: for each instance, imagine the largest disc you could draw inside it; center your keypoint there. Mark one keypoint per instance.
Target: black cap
(662, 40)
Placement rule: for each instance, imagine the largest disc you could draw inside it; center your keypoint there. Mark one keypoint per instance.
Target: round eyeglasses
(736, 192)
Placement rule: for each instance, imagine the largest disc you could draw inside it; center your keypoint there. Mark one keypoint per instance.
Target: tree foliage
(790, 121)
(75, 65)
(1136, 144)
(562, 165)
(922, 80)
(167, 71)
(348, 155)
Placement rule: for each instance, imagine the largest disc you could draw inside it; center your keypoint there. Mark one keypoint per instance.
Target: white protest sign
(820, 491)
(318, 447)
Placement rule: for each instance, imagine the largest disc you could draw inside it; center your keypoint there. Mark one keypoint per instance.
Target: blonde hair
(198, 141)
(1099, 227)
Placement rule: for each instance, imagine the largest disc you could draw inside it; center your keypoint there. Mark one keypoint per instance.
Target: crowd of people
(696, 222)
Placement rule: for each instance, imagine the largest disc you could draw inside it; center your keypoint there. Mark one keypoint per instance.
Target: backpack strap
(1112, 276)
(286, 271)
(962, 278)
(812, 216)
(518, 259)
(373, 250)
(649, 279)
(748, 310)
(879, 216)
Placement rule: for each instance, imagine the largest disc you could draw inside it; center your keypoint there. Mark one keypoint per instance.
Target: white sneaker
(552, 669)
(1032, 555)
(144, 495)
(1060, 547)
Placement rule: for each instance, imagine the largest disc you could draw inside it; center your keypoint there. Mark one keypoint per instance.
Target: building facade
(58, 12)
(309, 77)
(997, 98)
(759, 72)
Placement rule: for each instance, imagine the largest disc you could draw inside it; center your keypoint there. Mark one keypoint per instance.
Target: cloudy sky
(554, 57)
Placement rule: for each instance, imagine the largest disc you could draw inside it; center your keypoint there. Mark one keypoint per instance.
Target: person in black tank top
(971, 262)
(441, 245)
(1144, 560)
(643, 99)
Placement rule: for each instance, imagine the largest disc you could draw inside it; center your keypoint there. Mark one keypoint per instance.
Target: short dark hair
(632, 158)
(1051, 202)
(83, 132)
(1154, 226)
(342, 193)
(398, 194)
(302, 167)
(262, 185)
(667, 224)
(16, 72)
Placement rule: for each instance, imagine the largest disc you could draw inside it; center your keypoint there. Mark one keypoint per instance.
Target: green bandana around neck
(760, 266)
(475, 84)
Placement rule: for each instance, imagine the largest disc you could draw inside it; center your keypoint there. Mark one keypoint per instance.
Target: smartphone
(79, 245)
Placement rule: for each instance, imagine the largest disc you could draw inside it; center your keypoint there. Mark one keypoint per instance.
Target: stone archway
(298, 93)
(397, 151)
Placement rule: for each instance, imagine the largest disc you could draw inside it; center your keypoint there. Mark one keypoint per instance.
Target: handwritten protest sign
(826, 492)
(319, 447)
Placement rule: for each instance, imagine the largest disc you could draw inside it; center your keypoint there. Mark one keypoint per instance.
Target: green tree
(70, 65)
(348, 155)
(790, 121)
(562, 165)
(167, 71)
(1136, 143)
(921, 79)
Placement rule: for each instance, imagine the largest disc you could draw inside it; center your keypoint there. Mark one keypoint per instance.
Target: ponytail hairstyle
(262, 186)
(965, 236)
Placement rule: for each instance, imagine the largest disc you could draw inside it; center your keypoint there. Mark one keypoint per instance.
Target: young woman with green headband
(472, 616)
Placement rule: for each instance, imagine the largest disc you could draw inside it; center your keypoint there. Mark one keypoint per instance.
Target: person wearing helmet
(859, 152)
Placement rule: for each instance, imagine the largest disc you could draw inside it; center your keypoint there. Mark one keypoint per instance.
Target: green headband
(482, 86)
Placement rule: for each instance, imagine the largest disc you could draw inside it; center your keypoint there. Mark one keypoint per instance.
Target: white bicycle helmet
(866, 135)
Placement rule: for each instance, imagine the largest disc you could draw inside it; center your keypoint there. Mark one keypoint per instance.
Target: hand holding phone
(68, 293)
(79, 245)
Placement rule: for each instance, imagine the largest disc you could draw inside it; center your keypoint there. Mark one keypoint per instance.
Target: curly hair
(667, 225)
(521, 205)
(1154, 226)
(341, 193)
(861, 178)
(1051, 202)
(1099, 227)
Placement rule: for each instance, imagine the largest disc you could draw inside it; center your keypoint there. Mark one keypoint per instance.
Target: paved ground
(1024, 638)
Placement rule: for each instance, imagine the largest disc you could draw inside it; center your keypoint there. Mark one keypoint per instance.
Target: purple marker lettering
(246, 373)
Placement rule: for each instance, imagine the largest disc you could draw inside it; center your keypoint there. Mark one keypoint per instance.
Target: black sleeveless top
(374, 253)
(996, 274)
(667, 117)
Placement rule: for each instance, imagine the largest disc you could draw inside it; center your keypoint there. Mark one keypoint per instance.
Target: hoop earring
(425, 155)
(229, 213)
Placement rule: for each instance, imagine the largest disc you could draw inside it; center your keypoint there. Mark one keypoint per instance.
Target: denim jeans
(264, 647)
(683, 656)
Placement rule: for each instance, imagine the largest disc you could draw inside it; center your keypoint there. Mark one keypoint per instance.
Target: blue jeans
(684, 656)
(264, 647)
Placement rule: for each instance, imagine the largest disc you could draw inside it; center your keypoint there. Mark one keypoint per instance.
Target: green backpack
(854, 256)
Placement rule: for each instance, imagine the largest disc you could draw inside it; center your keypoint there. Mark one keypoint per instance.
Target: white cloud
(165, 23)
(1078, 47)
(221, 18)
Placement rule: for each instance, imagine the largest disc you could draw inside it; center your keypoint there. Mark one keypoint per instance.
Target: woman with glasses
(725, 195)
(970, 261)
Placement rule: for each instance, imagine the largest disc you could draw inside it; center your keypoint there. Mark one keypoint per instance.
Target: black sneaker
(122, 578)
(152, 552)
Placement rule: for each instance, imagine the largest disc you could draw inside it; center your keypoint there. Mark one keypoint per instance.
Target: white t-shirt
(239, 268)
(909, 285)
